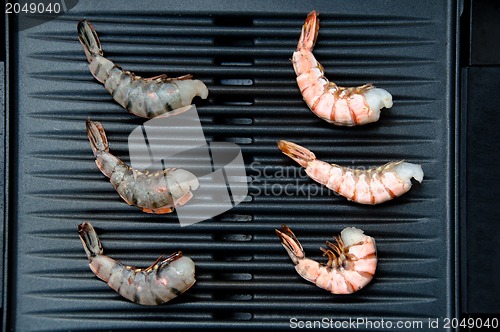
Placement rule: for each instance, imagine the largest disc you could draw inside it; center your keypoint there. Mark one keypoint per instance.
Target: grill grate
(241, 51)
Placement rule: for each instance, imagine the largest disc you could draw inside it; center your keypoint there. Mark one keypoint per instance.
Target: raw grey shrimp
(153, 192)
(144, 97)
(163, 281)
(372, 186)
(338, 105)
(352, 261)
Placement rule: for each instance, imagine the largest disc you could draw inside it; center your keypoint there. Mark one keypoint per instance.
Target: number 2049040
(470, 323)
(32, 8)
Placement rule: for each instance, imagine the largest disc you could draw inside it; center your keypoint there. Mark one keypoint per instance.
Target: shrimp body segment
(352, 260)
(373, 186)
(156, 192)
(163, 281)
(144, 97)
(338, 105)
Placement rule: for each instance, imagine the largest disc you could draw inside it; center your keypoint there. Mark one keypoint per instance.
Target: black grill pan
(241, 50)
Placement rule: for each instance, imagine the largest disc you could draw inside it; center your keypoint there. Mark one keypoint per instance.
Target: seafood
(351, 261)
(338, 105)
(156, 192)
(144, 97)
(163, 281)
(372, 186)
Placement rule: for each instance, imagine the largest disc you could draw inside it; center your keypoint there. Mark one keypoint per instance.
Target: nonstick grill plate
(241, 50)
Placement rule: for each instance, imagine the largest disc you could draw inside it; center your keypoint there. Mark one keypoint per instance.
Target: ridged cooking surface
(242, 52)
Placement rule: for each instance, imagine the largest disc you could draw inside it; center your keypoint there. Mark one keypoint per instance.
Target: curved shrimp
(153, 192)
(372, 186)
(144, 97)
(352, 261)
(163, 281)
(338, 105)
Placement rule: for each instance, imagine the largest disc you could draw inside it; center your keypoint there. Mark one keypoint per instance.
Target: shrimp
(163, 281)
(372, 186)
(144, 97)
(332, 103)
(153, 192)
(352, 261)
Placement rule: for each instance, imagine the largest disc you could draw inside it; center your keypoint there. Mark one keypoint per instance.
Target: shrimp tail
(97, 137)
(89, 40)
(298, 153)
(309, 33)
(90, 240)
(290, 243)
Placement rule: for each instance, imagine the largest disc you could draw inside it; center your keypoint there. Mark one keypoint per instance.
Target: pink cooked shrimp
(352, 261)
(372, 186)
(338, 105)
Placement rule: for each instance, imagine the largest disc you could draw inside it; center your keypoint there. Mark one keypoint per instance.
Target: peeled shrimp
(338, 105)
(351, 261)
(163, 281)
(144, 97)
(372, 186)
(153, 192)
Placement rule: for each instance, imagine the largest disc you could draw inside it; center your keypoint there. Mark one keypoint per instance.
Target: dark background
(480, 157)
